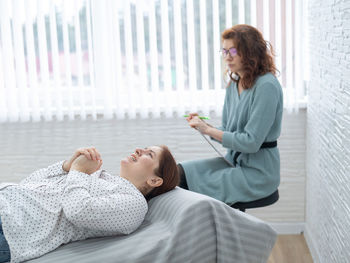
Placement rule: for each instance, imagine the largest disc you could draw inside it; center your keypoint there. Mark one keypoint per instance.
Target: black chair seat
(269, 200)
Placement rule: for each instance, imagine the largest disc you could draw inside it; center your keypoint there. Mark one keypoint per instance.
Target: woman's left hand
(199, 125)
(85, 165)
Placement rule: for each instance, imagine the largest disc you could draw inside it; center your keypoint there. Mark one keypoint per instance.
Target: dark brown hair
(167, 170)
(256, 53)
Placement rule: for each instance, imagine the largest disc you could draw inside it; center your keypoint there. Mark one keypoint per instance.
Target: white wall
(26, 147)
(328, 132)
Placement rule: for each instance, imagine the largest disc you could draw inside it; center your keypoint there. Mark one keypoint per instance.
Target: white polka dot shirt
(52, 207)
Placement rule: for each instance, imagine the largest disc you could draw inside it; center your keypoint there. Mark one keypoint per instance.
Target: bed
(180, 226)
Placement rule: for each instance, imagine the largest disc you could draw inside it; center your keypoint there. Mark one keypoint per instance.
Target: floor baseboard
(310, 244)
(288, 228)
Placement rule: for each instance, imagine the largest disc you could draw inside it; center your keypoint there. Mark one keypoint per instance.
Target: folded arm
(262, 116)
(115, 213)
(45, 173)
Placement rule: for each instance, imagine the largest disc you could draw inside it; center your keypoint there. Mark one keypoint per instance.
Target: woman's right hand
(191, 115)
(89, 152)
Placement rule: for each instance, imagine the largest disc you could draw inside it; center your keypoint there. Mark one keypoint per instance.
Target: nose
(228, 57)
(139, 151)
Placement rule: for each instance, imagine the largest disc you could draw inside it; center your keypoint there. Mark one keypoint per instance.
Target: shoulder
(267, 83)
(134, 201)
(267, 79)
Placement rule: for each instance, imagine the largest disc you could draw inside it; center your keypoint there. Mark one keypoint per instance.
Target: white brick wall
(328, 132)
(26, 147)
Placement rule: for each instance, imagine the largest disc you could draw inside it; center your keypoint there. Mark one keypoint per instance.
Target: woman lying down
(75, 200)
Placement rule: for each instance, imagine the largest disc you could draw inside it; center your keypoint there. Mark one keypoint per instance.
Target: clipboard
(218, 152)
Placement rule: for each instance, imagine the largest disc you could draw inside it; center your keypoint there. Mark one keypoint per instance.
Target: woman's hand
(89, 152)
(191, 115)
(198, 124)
(85, 165)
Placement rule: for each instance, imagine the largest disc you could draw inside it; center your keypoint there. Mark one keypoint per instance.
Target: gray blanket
(180, 226)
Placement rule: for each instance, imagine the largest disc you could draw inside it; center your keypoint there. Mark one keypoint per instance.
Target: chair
(269, 200)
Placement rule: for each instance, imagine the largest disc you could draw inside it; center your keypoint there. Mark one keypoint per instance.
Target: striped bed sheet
(180, 226)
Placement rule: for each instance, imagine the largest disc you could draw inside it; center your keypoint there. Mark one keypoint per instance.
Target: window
(63, 59)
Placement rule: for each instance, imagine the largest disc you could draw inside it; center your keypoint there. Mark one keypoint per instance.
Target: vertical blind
(127, 59)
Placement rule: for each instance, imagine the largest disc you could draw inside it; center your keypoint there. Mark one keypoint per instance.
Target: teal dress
(248, 120)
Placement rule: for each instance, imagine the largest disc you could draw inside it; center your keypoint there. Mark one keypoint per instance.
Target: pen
(201, 117)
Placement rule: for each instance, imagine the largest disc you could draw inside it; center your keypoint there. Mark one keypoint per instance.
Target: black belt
(264, 145)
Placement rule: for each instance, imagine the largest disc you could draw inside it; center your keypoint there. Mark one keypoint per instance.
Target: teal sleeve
(224, 110)
(262, 117)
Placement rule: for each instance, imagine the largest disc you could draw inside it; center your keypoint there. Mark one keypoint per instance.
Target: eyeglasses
(232, 51)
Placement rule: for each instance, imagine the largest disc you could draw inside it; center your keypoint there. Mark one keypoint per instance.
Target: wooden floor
(290, 249)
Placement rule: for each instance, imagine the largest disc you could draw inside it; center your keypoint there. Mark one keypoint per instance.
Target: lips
(133, 157)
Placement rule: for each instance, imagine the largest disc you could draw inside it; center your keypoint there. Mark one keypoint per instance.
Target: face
(140, 165)
(232, 59)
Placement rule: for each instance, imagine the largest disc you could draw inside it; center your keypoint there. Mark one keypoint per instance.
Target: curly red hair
(256, 53)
